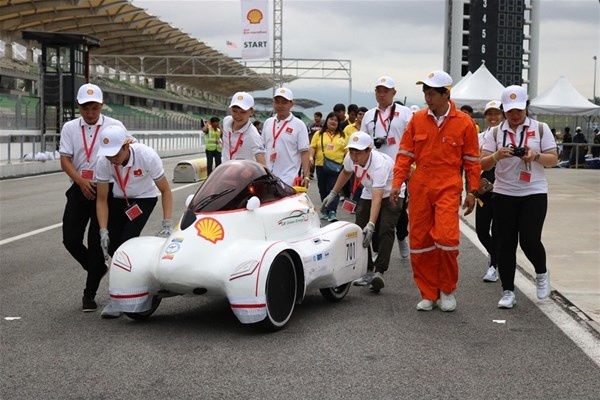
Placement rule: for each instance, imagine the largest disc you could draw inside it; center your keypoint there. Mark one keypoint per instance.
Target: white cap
(89, 93)
(285, 93)
(359, 141)
(385, 81)
(112, 138)
(578, 129)
(494, 104)
(437, 79)
(243, 100)
(514, 97)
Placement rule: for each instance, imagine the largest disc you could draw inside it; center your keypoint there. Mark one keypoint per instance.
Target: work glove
(327, 200)
(166, 229)
(368, 234)
(104, 242)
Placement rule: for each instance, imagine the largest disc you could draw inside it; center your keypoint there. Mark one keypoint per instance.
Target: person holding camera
(386, 123)
(520, 150)
(442, 141)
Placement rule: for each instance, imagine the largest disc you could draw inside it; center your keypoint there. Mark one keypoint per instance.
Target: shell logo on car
(210, 229)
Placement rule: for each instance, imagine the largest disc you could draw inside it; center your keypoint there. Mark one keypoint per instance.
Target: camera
(379, 141)
(519, 152)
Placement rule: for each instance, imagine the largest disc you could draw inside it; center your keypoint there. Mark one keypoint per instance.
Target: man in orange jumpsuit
(442, 142)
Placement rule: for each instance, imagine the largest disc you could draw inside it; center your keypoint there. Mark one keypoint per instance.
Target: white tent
(563, 99)
(478, 89)
(458, 84)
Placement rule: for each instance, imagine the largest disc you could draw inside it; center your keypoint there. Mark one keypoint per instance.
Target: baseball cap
(112, 138)
(285, 93)
(514, 97)
(578, 129)
(359, 141)
(88, 93)
(437, 79)
(385, 81)
(243, 100)
(494, 104)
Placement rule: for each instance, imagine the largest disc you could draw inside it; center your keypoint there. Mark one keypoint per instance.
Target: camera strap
(512, 138)
(389, 121)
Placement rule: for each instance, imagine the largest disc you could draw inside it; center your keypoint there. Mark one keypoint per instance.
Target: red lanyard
(237, 146)
(88, 150)
(512, 138)
(122, 181)
(384, 122)
(275, 136)
(358, 180)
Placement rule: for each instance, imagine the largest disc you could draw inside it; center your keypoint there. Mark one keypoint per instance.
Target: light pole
(594, 91)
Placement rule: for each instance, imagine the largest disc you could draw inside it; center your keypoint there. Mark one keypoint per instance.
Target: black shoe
(89, 304)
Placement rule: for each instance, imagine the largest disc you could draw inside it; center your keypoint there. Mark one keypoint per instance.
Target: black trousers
(519, 219)
(80, 211)
(120, 228)
(212, 155)
(484, 220)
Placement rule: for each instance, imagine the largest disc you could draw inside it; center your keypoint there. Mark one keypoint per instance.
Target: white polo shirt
(511, 170)
(80, 141)
(244, 144)
(378, 173)
(376, 122)
(284, 141)
(138, 176)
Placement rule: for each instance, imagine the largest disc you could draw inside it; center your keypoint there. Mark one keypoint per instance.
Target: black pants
(484, 220)
(519, 219)
(401, 225)
(120, 228)
(212, 155)
(80, 211)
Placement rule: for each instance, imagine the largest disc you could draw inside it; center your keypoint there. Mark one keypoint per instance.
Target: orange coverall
(435, 190)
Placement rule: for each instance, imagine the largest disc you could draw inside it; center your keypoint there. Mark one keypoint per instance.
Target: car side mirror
(188, 200)
(253, 203)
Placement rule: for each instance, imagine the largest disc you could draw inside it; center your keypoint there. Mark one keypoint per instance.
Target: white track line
(580, 335)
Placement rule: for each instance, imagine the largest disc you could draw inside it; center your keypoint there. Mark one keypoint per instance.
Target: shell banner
(255, 30)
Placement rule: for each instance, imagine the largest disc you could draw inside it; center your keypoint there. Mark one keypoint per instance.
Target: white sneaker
(491, 275)
(425, 305)
(542, 285)
(109, 313)
(365, 279)
(404, 250)
(447, 302)
(508, 299)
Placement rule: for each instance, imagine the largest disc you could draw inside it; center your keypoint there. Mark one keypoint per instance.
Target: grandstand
(181, 81)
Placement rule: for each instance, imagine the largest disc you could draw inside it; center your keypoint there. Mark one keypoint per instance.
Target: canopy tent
(458, 84)
(563, 99)
(478, 89)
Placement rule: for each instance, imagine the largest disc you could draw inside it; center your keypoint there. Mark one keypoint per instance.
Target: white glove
(166, 229)
(368, 234)
(104, 242)
(327, 200)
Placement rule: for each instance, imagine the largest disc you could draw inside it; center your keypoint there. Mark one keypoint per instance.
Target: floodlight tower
(277, 44)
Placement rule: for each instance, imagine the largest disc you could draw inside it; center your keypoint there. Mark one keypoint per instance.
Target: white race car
(246, 236)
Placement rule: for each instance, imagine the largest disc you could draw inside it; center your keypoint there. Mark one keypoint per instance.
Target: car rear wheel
(280, 292)
(145, 314)
(336, 294)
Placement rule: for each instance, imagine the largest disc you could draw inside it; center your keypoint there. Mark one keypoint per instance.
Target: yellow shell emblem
(355, 139)
(513, 96)
(240, 97)
(430, 75)
(254, 16)
(210, 229)
(90, 92)
(105, 141)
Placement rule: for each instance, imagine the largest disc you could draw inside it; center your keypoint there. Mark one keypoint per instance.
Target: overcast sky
(400, 38)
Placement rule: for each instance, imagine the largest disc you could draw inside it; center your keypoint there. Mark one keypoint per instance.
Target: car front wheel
(145, 314)
(280, 292)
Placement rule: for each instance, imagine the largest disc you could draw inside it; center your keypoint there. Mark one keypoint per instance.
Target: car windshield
(231, 185)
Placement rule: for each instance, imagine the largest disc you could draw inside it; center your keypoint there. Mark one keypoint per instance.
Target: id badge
(273, 156)
(349, 205)
(391, 140)
(525, 176)
(133, 211)
(87, 174)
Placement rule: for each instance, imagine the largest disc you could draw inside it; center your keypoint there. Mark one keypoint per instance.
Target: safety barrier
(190, 171)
